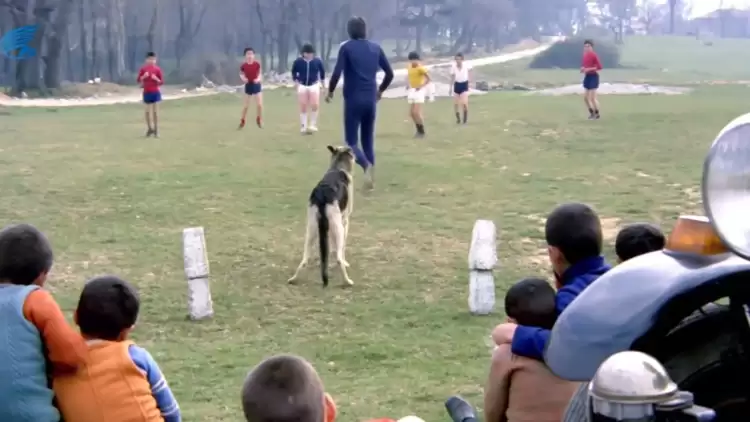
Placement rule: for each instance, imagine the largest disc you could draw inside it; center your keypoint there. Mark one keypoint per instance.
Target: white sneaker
(312, 129)
(303, 129)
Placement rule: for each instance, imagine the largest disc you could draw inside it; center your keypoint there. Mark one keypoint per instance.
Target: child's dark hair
(413, 56)
(247, 49)
(308, 49)
(531, 302)
(150, 54)
(283, 388)
(588, 42)
(459, 55)
(108, 305)
(638, 239)
(575, 230)
(356, 28)
(25, 254)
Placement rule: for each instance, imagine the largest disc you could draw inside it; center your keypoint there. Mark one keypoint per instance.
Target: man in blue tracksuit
(360, 60)
(574, 243)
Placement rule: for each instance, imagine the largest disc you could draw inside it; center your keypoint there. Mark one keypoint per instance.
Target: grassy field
(667, 60)
(401, 340)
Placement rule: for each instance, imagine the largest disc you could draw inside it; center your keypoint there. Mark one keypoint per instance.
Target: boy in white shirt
(460, 78)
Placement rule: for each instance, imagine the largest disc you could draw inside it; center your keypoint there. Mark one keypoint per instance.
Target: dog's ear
(346, 150)
(332, 148)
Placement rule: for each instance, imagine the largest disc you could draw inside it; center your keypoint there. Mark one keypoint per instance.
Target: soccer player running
(308, 73)
(150, 78)
(590, 68)
(460, 78)
(250, 75)
(359, 61)
(418, 79)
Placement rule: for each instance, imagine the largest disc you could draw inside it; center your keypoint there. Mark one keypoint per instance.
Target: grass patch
(667, 60)
(401, 340)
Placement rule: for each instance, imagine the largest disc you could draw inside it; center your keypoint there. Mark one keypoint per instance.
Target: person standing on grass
(590, 68)
(308, 73)
(460, 81)
(151, 79)
(250, 75)
(418, 78)
(359, 61)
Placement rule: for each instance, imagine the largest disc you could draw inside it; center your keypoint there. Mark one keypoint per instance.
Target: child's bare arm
(65, 346)
(497, 390)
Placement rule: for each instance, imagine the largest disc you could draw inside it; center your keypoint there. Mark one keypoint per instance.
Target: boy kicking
(250, 75)
(150, 78)
(418, 79)
(590, 68)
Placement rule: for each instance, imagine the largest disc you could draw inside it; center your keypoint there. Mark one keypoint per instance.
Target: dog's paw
(345, 263)
(348, 283)
(292, 280)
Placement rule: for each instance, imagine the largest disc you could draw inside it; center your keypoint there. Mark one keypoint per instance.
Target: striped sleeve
(166, 401)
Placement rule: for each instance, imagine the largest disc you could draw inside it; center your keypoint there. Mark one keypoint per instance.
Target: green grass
(669, 60)
(401, 340)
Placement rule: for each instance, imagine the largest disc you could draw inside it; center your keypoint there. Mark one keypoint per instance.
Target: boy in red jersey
(150, 78)
(250, 75)
(590, 68)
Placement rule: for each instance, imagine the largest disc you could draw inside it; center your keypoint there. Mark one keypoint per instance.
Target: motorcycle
(685, 306)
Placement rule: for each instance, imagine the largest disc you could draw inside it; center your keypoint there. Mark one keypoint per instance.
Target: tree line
(79, 40)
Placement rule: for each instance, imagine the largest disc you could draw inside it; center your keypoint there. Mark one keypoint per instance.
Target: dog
(329, 208)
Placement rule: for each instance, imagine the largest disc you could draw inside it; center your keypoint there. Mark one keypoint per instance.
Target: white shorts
(415, 96)
(312, 89)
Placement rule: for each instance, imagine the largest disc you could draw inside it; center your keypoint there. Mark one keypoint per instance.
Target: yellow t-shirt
(417, 76)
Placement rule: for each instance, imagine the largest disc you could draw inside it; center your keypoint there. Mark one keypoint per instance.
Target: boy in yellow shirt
(418, 80)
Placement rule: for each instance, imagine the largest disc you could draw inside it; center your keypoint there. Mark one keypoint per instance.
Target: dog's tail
(319, 198)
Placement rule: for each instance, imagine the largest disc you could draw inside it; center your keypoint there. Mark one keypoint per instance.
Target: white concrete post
(482, 261)
(200, 305)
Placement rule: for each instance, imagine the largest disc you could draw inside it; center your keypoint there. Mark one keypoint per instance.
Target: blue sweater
(25, 395)
(531, 341)
(308, 73)
(359, 61)
(168, 406)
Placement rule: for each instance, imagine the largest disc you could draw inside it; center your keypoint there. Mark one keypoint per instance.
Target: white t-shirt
(462, 74)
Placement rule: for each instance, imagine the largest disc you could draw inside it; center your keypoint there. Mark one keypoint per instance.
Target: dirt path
(136, 98)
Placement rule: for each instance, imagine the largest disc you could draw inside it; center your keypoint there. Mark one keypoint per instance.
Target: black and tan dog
(329, 208)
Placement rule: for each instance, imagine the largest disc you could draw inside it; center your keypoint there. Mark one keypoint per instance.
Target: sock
(313, 118)
(458, 117)
(303, 119)
(420, 128)
(466, 115)
(596, 111)
(591, 110)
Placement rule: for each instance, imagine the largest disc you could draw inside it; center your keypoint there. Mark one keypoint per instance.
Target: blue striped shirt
(165, 400)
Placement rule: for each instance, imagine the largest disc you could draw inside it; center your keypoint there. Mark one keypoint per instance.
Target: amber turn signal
(695, 235)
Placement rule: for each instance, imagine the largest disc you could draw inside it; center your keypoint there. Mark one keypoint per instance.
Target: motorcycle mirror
(726, 185)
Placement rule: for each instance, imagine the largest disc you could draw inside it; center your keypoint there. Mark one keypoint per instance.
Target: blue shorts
(151, 97)
(252, 88)
(460, 87)
(591, 81)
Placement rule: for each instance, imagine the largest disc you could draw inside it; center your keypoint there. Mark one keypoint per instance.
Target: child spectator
(286, 388)
(520, 389)
(638, 239)
(574, 244)
(119, 382)
(32, 322)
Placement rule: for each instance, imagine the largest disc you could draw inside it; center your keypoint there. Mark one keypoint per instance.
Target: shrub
(566, 54)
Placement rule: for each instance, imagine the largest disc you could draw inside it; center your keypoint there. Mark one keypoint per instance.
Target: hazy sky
(702, 7)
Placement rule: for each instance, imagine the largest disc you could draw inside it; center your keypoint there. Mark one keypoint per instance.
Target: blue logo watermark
(15, 44)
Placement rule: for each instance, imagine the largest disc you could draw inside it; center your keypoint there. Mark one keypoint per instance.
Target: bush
(566, 54)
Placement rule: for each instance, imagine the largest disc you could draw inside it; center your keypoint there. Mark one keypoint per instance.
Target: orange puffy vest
(108, 387)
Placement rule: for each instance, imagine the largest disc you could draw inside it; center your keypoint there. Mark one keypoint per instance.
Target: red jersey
(591, 60)
(148, 83)
(251, 70)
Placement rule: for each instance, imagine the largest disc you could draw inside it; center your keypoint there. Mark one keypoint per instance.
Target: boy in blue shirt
(308, 73)
(574, 244)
